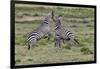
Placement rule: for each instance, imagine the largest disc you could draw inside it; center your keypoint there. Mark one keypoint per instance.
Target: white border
(5, 33)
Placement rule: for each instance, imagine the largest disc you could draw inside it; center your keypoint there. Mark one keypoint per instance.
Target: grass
(84, 12)
(86, 51)
(45, 52)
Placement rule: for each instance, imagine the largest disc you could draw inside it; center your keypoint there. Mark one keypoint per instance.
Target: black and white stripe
(41, 31)
(61, 33)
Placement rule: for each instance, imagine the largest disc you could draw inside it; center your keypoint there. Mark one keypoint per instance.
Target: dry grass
(45, 52)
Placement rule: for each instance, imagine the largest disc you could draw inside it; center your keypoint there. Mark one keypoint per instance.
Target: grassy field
(79, 20)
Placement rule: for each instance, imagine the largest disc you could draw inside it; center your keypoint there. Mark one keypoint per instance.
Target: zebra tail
(76, 41)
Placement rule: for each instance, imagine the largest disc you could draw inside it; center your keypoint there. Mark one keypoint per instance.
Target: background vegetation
(79, 20)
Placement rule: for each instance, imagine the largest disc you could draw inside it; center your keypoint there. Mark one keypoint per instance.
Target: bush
(89, 25)
(18, 60)
(74, 26)
(29, 59)
(86, 51)
(67, 47)
(36, 14)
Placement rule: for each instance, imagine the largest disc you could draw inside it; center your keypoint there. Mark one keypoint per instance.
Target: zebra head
(48, 18)
(56, 18)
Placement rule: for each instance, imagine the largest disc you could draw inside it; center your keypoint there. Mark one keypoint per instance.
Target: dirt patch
(27, 18)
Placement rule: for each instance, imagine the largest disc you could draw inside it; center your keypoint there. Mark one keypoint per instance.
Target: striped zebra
(41, 31)
(62, 34)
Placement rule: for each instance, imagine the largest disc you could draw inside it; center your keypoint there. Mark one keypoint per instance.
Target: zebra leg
(63, 40)
(28, 46)
(57, 42)
(49, 36)
(34, 42)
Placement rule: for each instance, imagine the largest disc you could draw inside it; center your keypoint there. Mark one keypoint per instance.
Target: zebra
(62, 34)
(38, 33)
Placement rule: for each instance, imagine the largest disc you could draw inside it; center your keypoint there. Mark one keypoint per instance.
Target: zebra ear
(48, 16)
(52, 14)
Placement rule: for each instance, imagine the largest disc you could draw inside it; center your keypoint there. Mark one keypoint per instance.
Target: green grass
(45, 52)
(67, 12)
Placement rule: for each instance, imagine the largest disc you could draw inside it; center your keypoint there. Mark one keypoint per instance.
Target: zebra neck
(58, 27)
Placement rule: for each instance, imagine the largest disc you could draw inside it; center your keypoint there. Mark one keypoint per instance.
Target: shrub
(74, 26)
(86, 51)
(36, 14)
(67, 47)
(29, 59)
(89, 25)
(18, 60)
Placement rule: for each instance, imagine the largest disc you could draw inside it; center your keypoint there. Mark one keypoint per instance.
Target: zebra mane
(58, 22)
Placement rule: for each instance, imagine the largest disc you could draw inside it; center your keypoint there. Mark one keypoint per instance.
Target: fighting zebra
(41, 31)
(62, 34)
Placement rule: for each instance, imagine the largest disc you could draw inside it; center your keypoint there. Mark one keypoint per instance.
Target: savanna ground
(79, 20)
